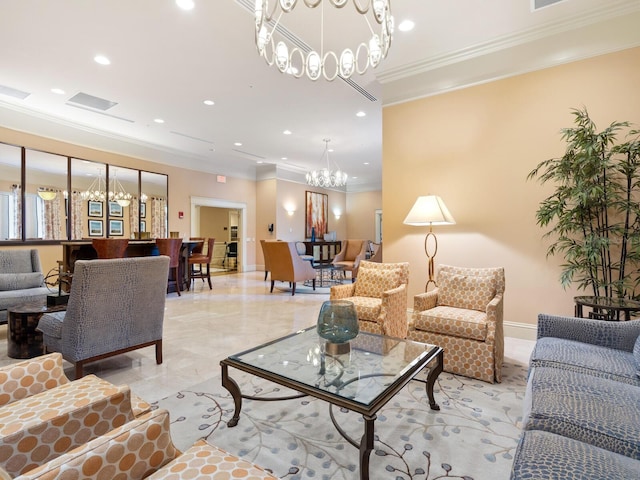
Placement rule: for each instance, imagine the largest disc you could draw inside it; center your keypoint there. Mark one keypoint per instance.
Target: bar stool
(171, 248)
(204, 260)
(110, 247)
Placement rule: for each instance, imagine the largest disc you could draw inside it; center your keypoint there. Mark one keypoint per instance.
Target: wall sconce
(290, 208)
(290, 212)
(337, 214)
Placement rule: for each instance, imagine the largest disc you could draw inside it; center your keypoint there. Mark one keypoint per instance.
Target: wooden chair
(231, 252)
(110, 247)
(197, 250)
(204, 262)
(171, 248)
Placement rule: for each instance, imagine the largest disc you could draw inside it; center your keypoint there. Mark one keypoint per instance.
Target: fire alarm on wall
(180, 214)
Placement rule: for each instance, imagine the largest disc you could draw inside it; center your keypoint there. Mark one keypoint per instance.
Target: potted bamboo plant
(593, 215)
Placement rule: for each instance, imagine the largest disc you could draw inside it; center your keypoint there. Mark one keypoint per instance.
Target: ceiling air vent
(538, 4)
(13, 92)
(89, 101)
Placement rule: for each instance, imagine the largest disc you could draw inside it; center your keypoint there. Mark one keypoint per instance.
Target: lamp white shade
(429, 210)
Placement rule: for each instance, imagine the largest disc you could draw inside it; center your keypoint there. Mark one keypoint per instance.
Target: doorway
(225, 221)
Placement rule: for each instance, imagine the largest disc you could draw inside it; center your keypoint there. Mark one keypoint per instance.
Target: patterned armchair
(115, 306)
(380, 297)
(464, 316)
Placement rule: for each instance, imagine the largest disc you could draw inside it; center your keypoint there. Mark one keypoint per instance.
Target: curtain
(15, 227)
(76, 215)
(158, 217)
(52, 218)
(134, 220)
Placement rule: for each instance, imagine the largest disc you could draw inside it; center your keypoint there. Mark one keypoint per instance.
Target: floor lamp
(429, 210)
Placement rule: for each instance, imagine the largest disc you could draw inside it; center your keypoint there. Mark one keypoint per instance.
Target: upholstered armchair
(115, 306)
(286, 265)
(380, 297)
(464, 315)
(352, 252)
(21, 280)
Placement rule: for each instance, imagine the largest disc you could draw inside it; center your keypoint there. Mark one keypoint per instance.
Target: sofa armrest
(425, 301)
(144, 443)
(617, 335)
(23, 379)
(339, 292)
(72, 414)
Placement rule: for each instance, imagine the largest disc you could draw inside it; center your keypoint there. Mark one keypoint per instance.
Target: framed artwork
(115, 209)
(95, 228)
(143, 210)
(143, 225)
(316, 214)
(116, 228)
(95, 209)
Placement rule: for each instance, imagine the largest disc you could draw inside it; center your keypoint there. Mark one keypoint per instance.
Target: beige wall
(360, 215)
(474, 148)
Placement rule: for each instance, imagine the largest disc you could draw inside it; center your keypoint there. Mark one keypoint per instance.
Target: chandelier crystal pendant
(119, 194)
(328, 64)
(326, 177)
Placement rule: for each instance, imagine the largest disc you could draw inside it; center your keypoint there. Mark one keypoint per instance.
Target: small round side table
(23, 341)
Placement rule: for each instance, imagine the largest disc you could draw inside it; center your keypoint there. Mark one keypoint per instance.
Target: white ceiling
(165, 62)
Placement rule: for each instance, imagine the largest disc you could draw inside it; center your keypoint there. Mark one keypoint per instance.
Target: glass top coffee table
(362, 380)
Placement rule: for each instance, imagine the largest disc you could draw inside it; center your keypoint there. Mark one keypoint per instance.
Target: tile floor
(202, 327)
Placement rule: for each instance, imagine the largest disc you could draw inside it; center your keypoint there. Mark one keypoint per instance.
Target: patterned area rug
(472, 437)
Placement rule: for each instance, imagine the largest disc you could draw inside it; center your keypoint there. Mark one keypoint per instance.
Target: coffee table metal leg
(366, 446)
(234, 390)
(431, 380)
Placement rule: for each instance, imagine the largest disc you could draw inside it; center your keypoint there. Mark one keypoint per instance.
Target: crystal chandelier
(119, 194)
(298, 61)
(97, 190)
(326, 177)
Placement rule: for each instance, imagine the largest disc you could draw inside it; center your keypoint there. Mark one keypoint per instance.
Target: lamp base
(337, 348)
(55, 300)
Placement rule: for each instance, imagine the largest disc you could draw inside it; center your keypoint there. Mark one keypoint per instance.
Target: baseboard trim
(523, 331)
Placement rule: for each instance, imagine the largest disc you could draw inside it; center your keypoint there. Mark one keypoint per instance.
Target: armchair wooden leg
(177, 281)
(159, 352)
(209, 277)
(293, 289)
(79, 372)
(314, 283)
(272, 282)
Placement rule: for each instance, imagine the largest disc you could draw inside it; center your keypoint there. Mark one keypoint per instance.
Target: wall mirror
(153, 204)
(10, 192)
(46, 197)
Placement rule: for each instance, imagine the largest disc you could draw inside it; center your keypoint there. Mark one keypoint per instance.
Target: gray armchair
(21, 280)
(115, 306)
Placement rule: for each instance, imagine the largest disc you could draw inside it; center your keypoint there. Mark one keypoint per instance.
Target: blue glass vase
(313, 234)
(338, 321)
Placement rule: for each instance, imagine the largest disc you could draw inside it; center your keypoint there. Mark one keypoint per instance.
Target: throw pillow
(636, 355)
(372, 282)
(19, 281)
(466, 291)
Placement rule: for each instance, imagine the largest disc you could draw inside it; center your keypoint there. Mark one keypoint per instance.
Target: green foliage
(594, 213)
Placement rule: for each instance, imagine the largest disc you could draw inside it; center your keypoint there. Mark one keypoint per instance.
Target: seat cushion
(546, 456)
(374, 282)
(466, 291)
(19, 281)
(593, 410)
(582, 357)
(455, 322)
(367, 308)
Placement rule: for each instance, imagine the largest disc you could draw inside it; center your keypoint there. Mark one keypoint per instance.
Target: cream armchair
(380, 297)
(351, 253)
(463, 315)
(286, 265)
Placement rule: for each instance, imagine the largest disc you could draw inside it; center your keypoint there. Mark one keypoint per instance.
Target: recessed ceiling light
(238, 144)
(406, 26)
(209, 102)
(284, 158)
(260, 161)
(57, 91)
(287, 132)
(158, 120)
(353, 178)
(361, 114)
(185, 4)
(366, 163)
(102, 60)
